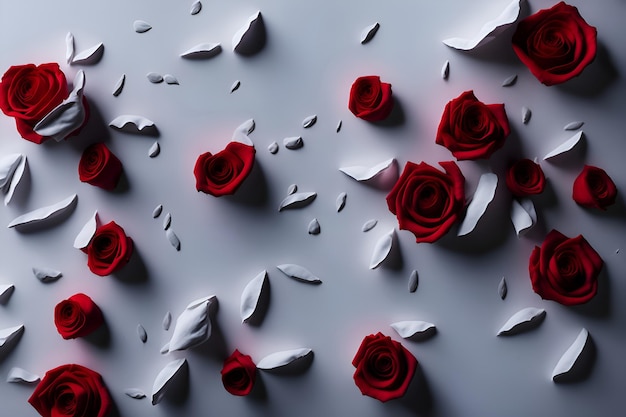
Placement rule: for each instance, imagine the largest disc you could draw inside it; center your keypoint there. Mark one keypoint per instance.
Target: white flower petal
(502, 288)
(119, 85)
(22, 375)
(86, 233)
(193, 326)
(157, 211)
(573, 125)
(413, 281)
(196, 7)
(69, 47)
(294, 142)
(141, 26)
(526, 115)
(510, 81)
(135, 393)
(368, 33)
(445, 70)
(141, 332)
(279, 359)
(8, 334)
(297, 200)
(251, 295)
(242, 131)
(299, 273)
(369, 225)
(202, 51)
(521, 320)
(411, 328)
(166, 378)
(382, 249)
(567, 362)
(131, 123)
(154, 77)
(16, 179)
(309, 121)
(170, 79)
(565, 146)
(523, 215)
(173, 238)
(340, 202)
(167, 321)
(485, 191)
(363, 173)
(154, 150)
(235, 86)
(273, 148)
(5, 291)
(45, 213)
(247, 39)
(314, 227)
(47, 274)
(8, 165)
(89, 56)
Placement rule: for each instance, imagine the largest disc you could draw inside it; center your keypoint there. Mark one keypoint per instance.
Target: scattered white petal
(45, 213)
(567, 362)
(502, 288)
(154, 78)
(167, 221)
(368, 33)
(141, 26)
(247, 37)
(89, 56)
(309, 121)
(8, 334)
(410, 328)
(413, 281)
(509, 81)
(616, 250)
(279, 359)
(485, 191)
(297, 200)
(5, 289)
(167, 321)
(339, 126)
(193, 325)
(119, 85)
(47, 274)
(202, 51)
(369, 225)
(8, 165)
(242, 131)
(170, 79)
(251, 295)
(154, 150)
(22, 375)
(292, 189)
(131, 122)
(157, 211)
(385, 173)
(135, 393)
(299, 273)
(489, 31)
(165, 349)
(565, 146)
(141, 332)
(523, 215)
(86, 233)
(196, 7)
(382, 249)
(529, 316)
(445, 70)
(165, 378)
(235, 86)
(273, 148)
(573, 125)
(526, 115)
(16, 180)
(294, 142)
(314, 227)
(174, 240)
(69, 47)
(340, 203)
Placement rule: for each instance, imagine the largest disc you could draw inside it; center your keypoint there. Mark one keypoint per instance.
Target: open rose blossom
(427, 201)
(109, 249)
(71, 391)
(238, 374)
(370, 99)
(384, 368)
(100, 167)
(555, 44)
(525, 177)
(471, 129)
(594, 188)
(565, 269)
(222, 173)
(77, 316)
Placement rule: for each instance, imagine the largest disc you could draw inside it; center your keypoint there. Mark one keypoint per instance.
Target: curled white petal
(292, 189)
(297, 200)
(44, 213)
(299, 273)
(369, 225)
(119, 85)
(16, 180)
(338, 126)
(567, 362)
(413, 281)
(5, 290)
(523, 215)
(8, 165)
(382, 249)
(167, 320)
(167, 221)
(445, 70)
(273, 148)
(89, 56)
(141, 332)
(46, 274)
(135, 393)
(251, 295)
(279, 359)
(363, 173)
(368, 33)
(196, 7)
(249, 34)
(573, 125)
(309, 121)
(485, 191)
(154, 77)
(526, 115)
(314, 227)
(154, 150)
(523, 318)
(141, 26)
(235, 86)
(128, 121)
(502, 288)
(340, 202)
(411, 328)
(202, 51)
(242, 131)
(293, 142)
(22, 375)
(69, 47)
(157, 211)
(170, 79)
(565, 146)
(509, 81)
(173, 238)
(166, 378)
(8, 334)
(86, 233)
(193, 325)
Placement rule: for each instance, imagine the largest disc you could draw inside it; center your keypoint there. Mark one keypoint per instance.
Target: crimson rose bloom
(29, 92)
(565, 269)
(427, 201)
(109, 249)
(524, 177)
(471, 129)
(594, 188)
(370, 99)
(384, 368)
(223, 173)
(77, 316)
(555, 44)
(71, 391)
(238, 374)
(100, 167)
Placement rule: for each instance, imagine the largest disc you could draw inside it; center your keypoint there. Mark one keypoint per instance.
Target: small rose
(109, 249)
(384, 368)
(426, 201)
(238, 374)
(594, 188)
(222, 173)
(555, 44)
(471, 129)
(525, 177)
(77, 316)
(71, 391)
(100, 167)
(370, 99)
(565, 269)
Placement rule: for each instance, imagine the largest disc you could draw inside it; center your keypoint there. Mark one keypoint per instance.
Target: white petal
(299, 273)
(141, 26)
(273, 148)
(5, 290)
(154, 78)
(157, 211)
(526, 115)
(523, 215)
(8, 334)
(294, 142)
(45, 213)
(521, 320)
(502, 288)
(383, 174)
(408, 329)
(340, 202)
(235, 86)
(167, 320)
(368, 33)
(22, 375)
(170, 79)
(369, 225)
(251, 295)
(135, 393)
(509, 81)
(314, 227)
(292, 189)
(130, 123)
(278, 359)
(16, 179)
(573, 125)
(89, 56)
(242, 131)
(69, 47)
(165, 379)
(119, 85)
(154, 150)
(445, 70)
(167, 221)
(173, 238)
(86, 233)
(141, 332)
(297, 200)
(309, 121)
(338, 126)
(193, 326)
(249, 34)
(413, 281)
(47, 274)
(489, 30)
(565, 146)
(196, 7)
(567, 363)
(202, 51)
(382, 249)
(485, 191)
(8, 165)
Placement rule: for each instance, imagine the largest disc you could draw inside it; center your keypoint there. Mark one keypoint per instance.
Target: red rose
(594, 188)
(471, 129)
(565, 269)
(77, 316)
(29, 92)
(555, 44)
(384, 368)
(524, 177)
(71, 391)
(370, 99)
(238, 374)
(223, 173)
(100, 167)
(426, 201)
(109, 249)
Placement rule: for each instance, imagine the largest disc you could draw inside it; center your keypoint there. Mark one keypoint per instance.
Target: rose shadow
(595, 79)
(396, 118)
(582, 367)
(95, 127)
(616, 211)
(418, 397)
(259, 391)
(123, 186)
(101, 337)
(135, 271)
(600, 305)
(253, 190)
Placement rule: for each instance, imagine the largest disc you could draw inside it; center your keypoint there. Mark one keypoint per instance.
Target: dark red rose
(594, 188)
(222, 173)
(524, 177)
(29, 92)
(565, 269)
(370, 99)
(71, 391)
(100, 167)
(238, 374)
(471, 129)
(426, 201)
(384, 368)
(77, 316)
(555, 44)
(109, 249)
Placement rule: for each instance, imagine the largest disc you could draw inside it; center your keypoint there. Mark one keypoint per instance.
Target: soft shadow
(178, 391)
(253, 190)
(616, 210)
(216, 347)
(297, 367)
(135, 271)
(9, 345)
(4, 298)
(123, 186)
(262, 306)
(396, 118)
(600, 305)
(595, 79)
(418, 397)
(394, 260)
(50, 222)
(101, 337)
(572, 159)
(582, 367)
(423, 336)
(114, 411)
(95, 127)
(259, 391)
